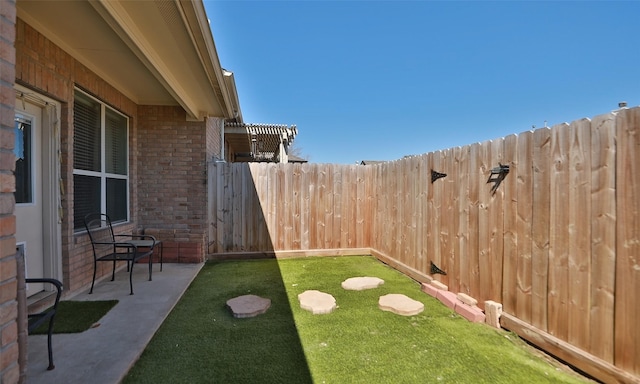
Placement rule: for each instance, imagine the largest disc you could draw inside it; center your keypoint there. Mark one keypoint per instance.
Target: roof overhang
(154, 52)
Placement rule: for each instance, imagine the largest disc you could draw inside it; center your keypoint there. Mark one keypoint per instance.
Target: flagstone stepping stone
(361, 283)
(248, 306)
(400, 304)
(317, 302)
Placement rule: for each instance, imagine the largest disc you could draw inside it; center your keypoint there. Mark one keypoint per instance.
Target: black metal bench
(107, 248)
(37, 319)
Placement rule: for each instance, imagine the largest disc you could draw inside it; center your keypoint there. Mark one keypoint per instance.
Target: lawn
(201, 342)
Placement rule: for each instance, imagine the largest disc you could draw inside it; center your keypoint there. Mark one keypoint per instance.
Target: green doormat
(77, 316)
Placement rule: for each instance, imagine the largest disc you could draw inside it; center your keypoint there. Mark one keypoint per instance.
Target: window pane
(115, 143)
(22, 151)
(86, 133)
(117, 199)
(86, 198)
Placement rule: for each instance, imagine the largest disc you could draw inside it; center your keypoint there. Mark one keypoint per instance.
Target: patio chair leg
(113, 273)
(94, 276)
(50, 345)
(150, 265)
(131, 279)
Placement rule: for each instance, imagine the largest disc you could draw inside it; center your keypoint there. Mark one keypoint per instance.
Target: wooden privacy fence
(558, 243)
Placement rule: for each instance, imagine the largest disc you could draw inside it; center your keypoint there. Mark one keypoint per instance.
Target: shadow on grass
(201, 341)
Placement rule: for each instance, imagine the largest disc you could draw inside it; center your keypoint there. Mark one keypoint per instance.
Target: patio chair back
(106, 248)
(100, 232)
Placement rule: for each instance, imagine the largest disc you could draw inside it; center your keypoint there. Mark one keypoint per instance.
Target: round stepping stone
(400, 304)
(361, 283)
(248, 306)
(317, 302)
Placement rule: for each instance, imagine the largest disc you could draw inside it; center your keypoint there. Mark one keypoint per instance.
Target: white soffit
(145, 49)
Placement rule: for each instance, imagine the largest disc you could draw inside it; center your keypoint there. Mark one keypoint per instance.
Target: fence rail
(558, 243)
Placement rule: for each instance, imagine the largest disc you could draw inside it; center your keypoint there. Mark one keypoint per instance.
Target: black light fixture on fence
(497, 175)
(435, 269)
(436, 175)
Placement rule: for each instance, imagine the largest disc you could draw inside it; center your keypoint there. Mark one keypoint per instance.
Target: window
(100, 160)
(23, 152)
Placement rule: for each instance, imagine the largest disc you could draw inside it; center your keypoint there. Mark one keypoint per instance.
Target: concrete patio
(105, 353)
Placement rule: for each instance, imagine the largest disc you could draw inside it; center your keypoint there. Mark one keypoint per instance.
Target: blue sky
(378, 80)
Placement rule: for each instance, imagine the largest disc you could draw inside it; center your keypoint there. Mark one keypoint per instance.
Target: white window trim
(102, 173)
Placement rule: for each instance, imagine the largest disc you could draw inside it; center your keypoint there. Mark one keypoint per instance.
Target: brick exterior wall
(167, 164)
(10, 369)
(55, 74)
(173, 181)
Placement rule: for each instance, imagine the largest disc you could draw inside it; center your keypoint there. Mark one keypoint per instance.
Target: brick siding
(55, 75)
(10, 368)
(173, 180)
(155, 134)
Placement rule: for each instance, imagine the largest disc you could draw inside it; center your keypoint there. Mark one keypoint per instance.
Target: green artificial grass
(201, 342)
(77, 316)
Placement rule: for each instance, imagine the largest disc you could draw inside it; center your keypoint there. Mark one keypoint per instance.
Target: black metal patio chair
(37, 319)
(109, 247)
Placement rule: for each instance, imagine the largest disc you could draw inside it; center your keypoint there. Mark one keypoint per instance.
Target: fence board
(296, 203)
(345, 207)
(249, 232)
(496, 220)
(321, 199)
(510, 241)
(305, 205)
(336, 223)
(221, 177)
(431, 218)
(423, 177)
(558, 274)
(368, 213)
(452, 219)
(540, 228)
(267, 244)
(399, 210)
(447, 222)
(475, 174)
(378, 190)
(283, 205)
(627, 313)
(485, 225)
(462, 178)
(437, 215)
(272, 204)
(286, 202)
(387, 205)
(411, 195)
(313, 204)
(223, 210)
(360, 207)
(384, 188)
(237, 209)
(328, 208)
(431, 234)
(524, 225)
(579, 202)
(603, 225)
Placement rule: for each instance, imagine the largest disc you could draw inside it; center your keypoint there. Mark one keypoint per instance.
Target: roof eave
(195, 23)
